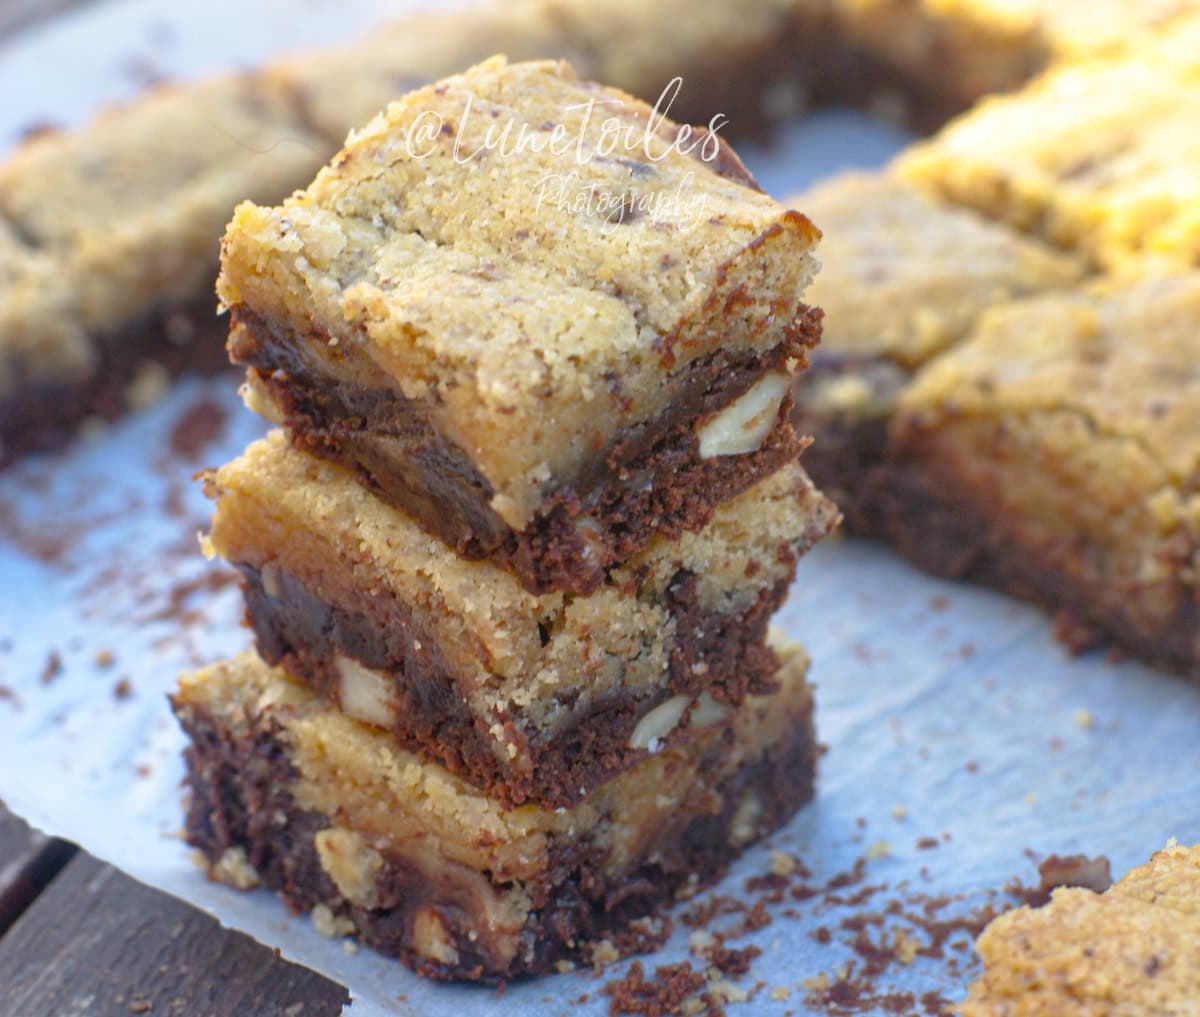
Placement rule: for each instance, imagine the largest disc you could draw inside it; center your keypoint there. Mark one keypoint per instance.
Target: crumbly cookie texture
(972, 48)
(533, 302)
(374, 841)
(1133, 951)
(467, 666)
(1060, 441)
(1097, 156)
(930, 269)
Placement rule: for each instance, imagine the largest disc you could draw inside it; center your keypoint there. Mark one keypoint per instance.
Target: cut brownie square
(1056, 455)
(1132, 951)
(931, 270)
(1097, 156)
(547, 348)
(528, 697)
(288, 792)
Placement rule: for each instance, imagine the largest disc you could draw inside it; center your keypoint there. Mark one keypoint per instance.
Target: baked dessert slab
(528, 697)
(904, 277)
(548, 354)
(114, 230)
(1133, 950)
(1097, 156)
(959, 51)
(288, 792)
(1054, 454)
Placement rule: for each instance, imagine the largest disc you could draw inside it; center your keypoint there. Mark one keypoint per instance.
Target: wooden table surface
(80, 939)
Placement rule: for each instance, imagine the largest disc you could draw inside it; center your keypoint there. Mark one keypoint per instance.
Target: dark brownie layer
(936, 523)
(238, 797)
(45, 415)
(386, 438)
(304, 634)
(847, 457)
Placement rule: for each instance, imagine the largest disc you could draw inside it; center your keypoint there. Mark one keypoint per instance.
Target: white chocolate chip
(365, 694)
(330, 925)
(745, 423)
(708, 711)
(658, 723)
(351, 863)
(268, 576)
(430, 938)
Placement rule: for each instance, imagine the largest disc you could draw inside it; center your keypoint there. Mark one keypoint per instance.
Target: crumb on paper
(1031, 799)
(349, 946)
(781, 993)
(233, 868)
(878, 849)
(604, 954)
(105, 658)
(899, 813)
(905, 946)
(1083, 718)
(782, 864)
(123, 690)
(564, 967)
(53, 667)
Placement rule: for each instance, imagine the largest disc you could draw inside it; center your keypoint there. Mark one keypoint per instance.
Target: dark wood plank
(95, 934)
(28, 861)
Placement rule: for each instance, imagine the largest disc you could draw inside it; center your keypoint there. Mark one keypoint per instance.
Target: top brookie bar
(1132, 951)
(125, 213)
(931, 270)
(1054, 454)
(1097, 156)
(549, 328)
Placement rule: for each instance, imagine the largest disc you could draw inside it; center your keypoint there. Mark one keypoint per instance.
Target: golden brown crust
(1133, 951)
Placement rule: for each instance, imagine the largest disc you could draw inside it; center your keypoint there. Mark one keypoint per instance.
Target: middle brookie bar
(289, 792)
(530, 698)
(546, 354)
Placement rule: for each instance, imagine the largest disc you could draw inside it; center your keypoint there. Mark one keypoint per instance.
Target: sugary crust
(1094, 390)
(334, 817)
(1095, 155)
(931, 270)
(472, 281)
(522, 670)
(1133, 951)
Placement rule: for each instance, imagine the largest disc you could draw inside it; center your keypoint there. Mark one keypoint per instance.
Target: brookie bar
(931, 270)
(527, 697)
(545, 354)
(288, 792)
(1055, 455)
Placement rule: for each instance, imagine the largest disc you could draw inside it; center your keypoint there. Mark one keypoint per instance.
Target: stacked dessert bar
(511, 557)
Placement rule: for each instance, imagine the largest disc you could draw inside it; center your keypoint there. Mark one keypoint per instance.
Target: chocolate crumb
(658, 997)
(53, 667)
(198, 428)
(9, 696)
(123, 690)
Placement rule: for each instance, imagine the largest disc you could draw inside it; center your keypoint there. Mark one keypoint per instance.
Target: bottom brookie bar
(287, 792)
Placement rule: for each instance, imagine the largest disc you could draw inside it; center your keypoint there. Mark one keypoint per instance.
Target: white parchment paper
(960, 735)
